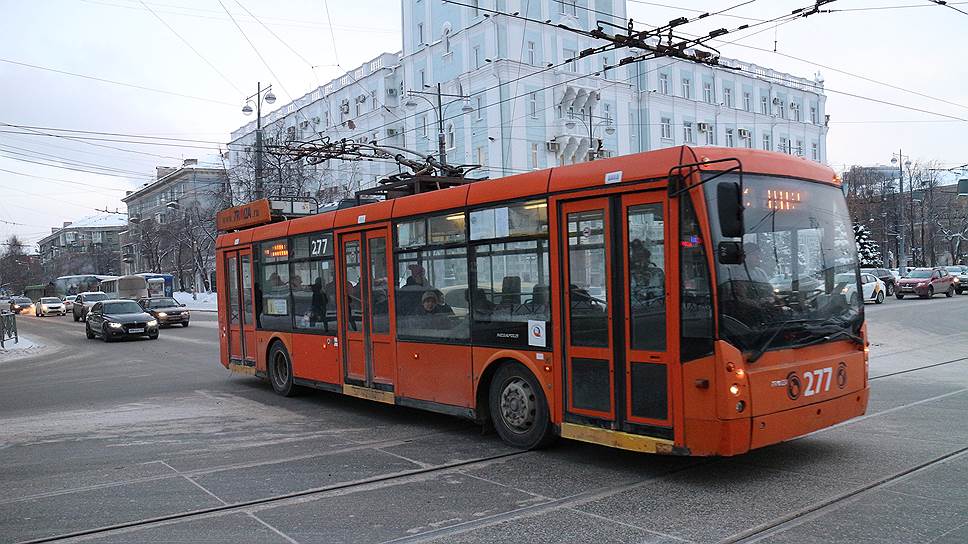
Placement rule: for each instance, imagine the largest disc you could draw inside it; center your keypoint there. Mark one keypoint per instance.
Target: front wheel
(184, 323)
(880, 298)
(519, 410)
(950, 292)
(280, 370)
(105, 334)
(76, 319)
(899, 296)
(153, 336)
(930, 292)
(88, 332)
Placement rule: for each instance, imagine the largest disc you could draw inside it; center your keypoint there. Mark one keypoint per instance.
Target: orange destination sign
(253, 213)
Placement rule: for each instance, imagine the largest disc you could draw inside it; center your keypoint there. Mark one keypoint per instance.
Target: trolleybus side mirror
(729, 204)
(730, 253)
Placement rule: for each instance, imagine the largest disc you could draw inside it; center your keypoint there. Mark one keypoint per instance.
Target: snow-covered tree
(868, 253)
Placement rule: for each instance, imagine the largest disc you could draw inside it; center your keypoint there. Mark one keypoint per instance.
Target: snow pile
(205, 301)
(24, 348)
(99, 221)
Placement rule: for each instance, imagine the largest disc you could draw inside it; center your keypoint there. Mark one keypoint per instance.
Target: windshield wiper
(758, 352)
(853, 337)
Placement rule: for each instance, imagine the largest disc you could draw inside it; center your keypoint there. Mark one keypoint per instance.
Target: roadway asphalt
(153, 441)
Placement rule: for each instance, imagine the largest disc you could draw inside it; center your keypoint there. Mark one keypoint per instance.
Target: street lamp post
(439, 112)
(260, 95)
(590, 125)
(902, 257)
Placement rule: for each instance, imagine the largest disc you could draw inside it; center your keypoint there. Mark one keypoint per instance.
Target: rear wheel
(280, 370)
(890, 289)
(950, 292)
(880, 298)
(519, 410)
(930, 291)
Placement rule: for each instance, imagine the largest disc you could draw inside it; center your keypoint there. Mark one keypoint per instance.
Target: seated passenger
(432, 312)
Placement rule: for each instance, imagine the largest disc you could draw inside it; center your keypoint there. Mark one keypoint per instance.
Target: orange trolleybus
(691, 301)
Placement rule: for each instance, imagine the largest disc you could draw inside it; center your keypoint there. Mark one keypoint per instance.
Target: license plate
(136, 330)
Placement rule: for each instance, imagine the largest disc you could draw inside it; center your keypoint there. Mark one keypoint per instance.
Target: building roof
(177, 173)
(106, 221)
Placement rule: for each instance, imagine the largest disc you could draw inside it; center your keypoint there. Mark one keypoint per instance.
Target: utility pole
(902, 257)
(258, 97)
(441, 137)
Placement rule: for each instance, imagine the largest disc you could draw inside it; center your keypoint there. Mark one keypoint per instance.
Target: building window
(799, 148)
(481, 156)
(747, 102)
(532, 59)
(781, 107)
(765, 105)
(814, 118)
(707, 92)
(568, 7)
(728, 97)
(708, 134)
(784, 145)
(533, 158)
(686, 87)
(814, 151)
(795, 108)
(687, 133)
(570, 56)
(423, 126)
(664, 83)
(420, 36)
(729, 138)
(479, 100)
(666, 128)
(767, 143)
(747, 137)
(450, 139)
(477, 56)
(475, 7)
(422, 79)
(533, 105)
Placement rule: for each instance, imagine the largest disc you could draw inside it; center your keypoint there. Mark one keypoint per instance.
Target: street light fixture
(439, 109)
(261, 94)
(603, 121)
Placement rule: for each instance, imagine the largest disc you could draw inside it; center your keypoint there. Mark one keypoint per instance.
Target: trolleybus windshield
(798, 281)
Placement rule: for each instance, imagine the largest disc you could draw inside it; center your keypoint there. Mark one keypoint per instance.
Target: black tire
(950, 292)
(899, 296)
(930, 292)
(76, 319)
(890, 289)
(184, 324)
(153, 336)
(280, 370)
(104, 331)
(88, 332)
(519, 409)
(879, 299)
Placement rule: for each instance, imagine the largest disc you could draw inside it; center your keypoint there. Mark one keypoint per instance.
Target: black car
(20, 304)
(113, 319)
(885, 276)
(166, 310)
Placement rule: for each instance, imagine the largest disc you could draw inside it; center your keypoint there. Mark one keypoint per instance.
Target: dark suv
(926, 282)
(885, 276)
(166, 310)
(83, 302)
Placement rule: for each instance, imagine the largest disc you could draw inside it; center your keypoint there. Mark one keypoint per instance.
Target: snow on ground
(25, 347)
(207, 302)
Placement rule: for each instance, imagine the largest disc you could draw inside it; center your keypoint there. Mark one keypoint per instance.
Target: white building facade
(531, 108)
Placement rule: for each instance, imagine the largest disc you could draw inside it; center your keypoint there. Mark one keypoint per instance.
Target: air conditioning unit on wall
(552, 146)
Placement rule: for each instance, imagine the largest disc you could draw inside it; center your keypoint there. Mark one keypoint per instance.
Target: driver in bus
(754, 263)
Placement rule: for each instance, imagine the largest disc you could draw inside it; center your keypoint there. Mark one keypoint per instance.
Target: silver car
(49, 306)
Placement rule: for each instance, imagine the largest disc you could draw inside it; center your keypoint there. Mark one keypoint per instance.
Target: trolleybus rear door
(368, 350)
(614, 268)
(241, 326)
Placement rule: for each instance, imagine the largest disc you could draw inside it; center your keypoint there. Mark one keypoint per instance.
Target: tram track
(793, 519)
(244, 506)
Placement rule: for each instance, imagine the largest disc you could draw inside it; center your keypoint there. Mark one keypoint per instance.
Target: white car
(49, 306)
(874, 289)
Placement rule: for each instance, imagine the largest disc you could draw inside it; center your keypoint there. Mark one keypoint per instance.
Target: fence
(8, 328)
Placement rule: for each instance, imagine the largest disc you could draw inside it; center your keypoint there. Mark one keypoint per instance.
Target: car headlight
(114, 325)
(153, 323)
(844, 291)
(957, 280)
(186, 313)
(922, 284)
(162, 314)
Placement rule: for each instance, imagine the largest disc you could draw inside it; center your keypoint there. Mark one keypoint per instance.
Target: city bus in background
(132, 287)
(682, 301)
(159, 285)
(67, 286)
(36, 292)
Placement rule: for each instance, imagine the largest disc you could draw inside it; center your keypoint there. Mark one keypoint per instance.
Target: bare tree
(17, 268)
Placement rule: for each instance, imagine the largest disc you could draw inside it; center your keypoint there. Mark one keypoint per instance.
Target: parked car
(68, 304)
(885, 275)
(49, 306)
(114, 319)
(20, 304)
(926, 282)
(166, 310)
(84, 301)
(874, 290)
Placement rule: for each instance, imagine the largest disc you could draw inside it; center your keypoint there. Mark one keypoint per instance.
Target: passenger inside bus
(413, 288)
(434, 314)
(648, 280)
(318, 305)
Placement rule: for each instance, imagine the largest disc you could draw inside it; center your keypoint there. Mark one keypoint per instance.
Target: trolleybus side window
(588, 294)
(273, 286)
(353, 306)
(647, 283)
(432, 294)
(376, 252)
(696, 314)
(313, 283)
(510, 291)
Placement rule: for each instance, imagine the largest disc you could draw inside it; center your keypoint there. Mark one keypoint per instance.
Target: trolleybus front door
(368, 349)
(615, 269)
(241, 321)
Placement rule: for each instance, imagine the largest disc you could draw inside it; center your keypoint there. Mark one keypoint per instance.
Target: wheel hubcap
(518, 405)
(280, 370)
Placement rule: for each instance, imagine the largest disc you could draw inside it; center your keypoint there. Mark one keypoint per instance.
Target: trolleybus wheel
(280, 370)
(519, 410)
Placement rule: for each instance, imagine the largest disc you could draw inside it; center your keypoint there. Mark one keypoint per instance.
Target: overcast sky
(918, 49)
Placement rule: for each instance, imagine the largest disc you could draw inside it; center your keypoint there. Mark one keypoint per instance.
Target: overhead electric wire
(57, 180)
(120, 83)
(656, 4)
(39, 155)
(274, 35)
(164, 144)
(103, 133)
(197, 53)
(882, 8)
(947, 5)
(81, 140)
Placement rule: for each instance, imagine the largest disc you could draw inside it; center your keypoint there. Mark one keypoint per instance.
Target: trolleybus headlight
(740, 406)
(734, 389)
